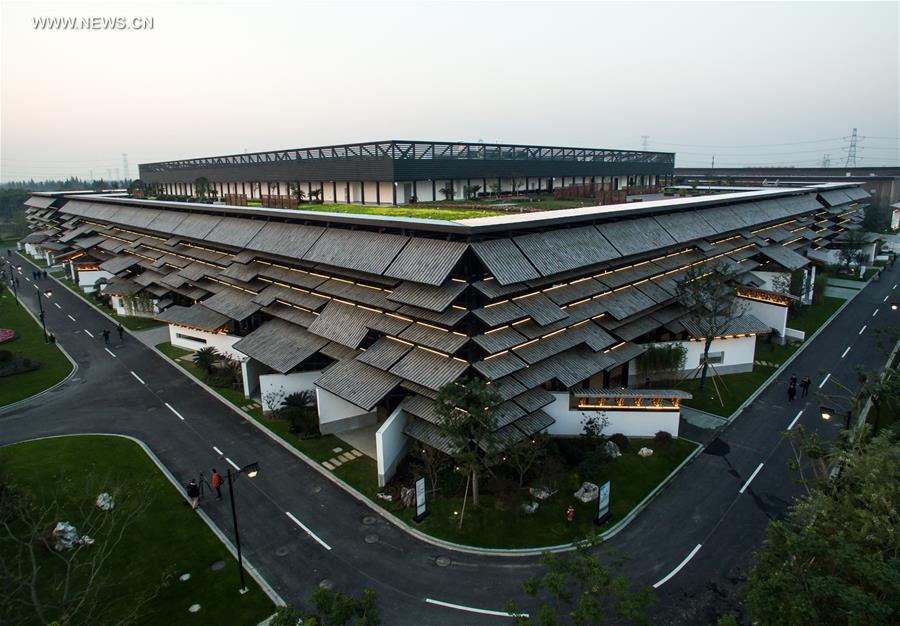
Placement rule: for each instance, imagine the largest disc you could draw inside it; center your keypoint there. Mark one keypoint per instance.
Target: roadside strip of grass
(167, 540)
(29, 341)
(129, 322)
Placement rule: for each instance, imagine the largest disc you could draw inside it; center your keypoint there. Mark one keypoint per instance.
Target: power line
(757, 145)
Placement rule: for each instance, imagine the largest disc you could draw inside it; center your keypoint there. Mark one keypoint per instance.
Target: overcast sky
(730, 79)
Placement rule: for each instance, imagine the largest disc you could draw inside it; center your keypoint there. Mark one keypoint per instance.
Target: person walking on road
(792, 390)
(106, 336)
(216, 481)
(804, 386)
(193, 492)
(121, 330)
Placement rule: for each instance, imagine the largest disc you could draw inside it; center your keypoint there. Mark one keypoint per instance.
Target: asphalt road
(127, 388)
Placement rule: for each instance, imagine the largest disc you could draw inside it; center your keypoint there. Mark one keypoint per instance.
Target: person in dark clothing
(804, 386)
(44, 274)
(106, 336)
(193, 492)
(793, 380)
(792, 391)
(216, 482)
(121, 330)
(52, 338)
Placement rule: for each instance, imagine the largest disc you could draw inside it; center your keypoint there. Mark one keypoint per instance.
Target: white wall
(631, 423)
(337, 415)
(118, 304)
(272, 386)
(250, 372)
(193, 339)
(87, 279)
(773, 315)
(390, 445)
(738, 353)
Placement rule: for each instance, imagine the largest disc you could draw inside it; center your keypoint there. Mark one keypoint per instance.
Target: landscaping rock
(530, 507)
(645, 452)
(194, 608)
(541, 493)
(588, 492)
(184, 577)
(407, 496)
(611, 450)
(65, 537)
(385, 496)
(105, 502)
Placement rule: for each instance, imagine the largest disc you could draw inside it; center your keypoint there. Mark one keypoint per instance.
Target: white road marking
(138, 378)
(28, 279)
(668, 576)
(894, 287)
(71, 318)
(876, 312)
(219, 452)
(232, 463)
(863, 329)
(88, 333)
(307, 530)
(752, 476)
(845, 352)
(794, 421)
(824, 380)
(110, 352)
(169, 406)
(471, 609)
(885, 298)
(56, 304)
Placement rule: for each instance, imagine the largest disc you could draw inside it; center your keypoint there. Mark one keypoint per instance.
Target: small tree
(332, 608)
(583, 590)
(496, 188)
(526, 454)
(206, 359)
(201, 187)
(315, 196)
(666, 358)
(709, 296)
(851, 248)
(137, 188)
(297, 192)
(471, 191)
(448, 191)
(467, 419)
(300, 409)
(433, 461)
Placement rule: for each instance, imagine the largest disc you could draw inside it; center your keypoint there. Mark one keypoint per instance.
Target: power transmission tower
(713, 166)
(826, 160)
(851, 151)
(645, 141)
(125, 167)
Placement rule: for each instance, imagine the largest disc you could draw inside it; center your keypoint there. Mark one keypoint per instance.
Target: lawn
(813, 316)
(502, 524)
(165, 541)
(402, 211)
(29, 341)
(132, 323)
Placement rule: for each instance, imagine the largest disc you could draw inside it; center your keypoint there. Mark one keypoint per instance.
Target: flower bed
(7, 334)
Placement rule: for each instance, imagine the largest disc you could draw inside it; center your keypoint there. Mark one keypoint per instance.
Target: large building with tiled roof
(376, 313)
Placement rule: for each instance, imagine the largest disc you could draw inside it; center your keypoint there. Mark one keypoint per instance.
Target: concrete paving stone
(337, 450)
(345, 457)
(327, 465)
(336, 462)
(356, 453)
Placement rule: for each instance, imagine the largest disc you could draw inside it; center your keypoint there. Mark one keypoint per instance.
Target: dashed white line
(233, 464)
(885, 298)
(845, 352)
(219, 452)
(876, 312)
(752, 476)
(56, 304)
(138, 378)
(71, 318)
(824, 380)
(110, 352)
(668, 576)
(794, 421)
(28, 279)
(894, 287)
(89, 333)
(307, 530)
(863, 329)
(169, 406)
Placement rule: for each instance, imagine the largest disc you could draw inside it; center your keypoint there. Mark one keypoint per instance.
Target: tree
(496, 188)
(851, 248)
(666, 359)
(526, 454)
(315, 196)
(467, 416)
(40, 584)
(332, 608)
(206, 359)
(883, 388)
(297, 192)
(471, 191)
(834, 558)
(433, 461)
(300, 409)
(583, 591)
(709, 296)
(201, 187)
(448, 191)
(137, 188)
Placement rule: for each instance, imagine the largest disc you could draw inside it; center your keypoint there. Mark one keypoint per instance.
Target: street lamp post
(41, 295)
(251, 471)
(828, 413)
(12, 283)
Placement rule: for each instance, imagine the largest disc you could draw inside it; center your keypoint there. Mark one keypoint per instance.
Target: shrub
(300, 410)
(663, 436)
(593, 465)
(5, 356)
(572, 451)
(507, 493)
(620, 440)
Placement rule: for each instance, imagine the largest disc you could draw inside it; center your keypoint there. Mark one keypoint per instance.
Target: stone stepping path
(340, 458)
(767, 364)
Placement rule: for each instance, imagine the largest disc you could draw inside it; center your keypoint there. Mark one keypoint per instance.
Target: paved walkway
(152, 337)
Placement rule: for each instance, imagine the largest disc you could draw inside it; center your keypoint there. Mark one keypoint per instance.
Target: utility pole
(125, 167)
(713, 166)
(851, 151)
(645, 141)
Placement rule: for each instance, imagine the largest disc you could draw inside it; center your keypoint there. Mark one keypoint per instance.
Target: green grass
(167, 538)
(813, 316)
(29, 341)
(401, 211)
(132, 323)
(493, 525)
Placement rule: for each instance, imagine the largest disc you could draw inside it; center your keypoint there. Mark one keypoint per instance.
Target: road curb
(254, 573)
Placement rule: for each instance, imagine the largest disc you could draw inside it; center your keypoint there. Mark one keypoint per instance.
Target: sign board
(603, 503)
(421, 511)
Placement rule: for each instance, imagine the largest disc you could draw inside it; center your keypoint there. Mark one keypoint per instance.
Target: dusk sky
(751, 83)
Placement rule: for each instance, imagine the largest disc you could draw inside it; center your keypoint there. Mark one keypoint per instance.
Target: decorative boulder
(407, 496)
(611, 450)
(65, 537)
(385, 496)
(645, 452)
(105, 502)
(541, 493)
(529, 507)
(587, 492)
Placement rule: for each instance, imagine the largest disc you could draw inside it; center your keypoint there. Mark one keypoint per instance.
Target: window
(190, 338)
(713, 358)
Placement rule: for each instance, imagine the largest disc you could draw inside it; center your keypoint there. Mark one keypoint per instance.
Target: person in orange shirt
(216, 482)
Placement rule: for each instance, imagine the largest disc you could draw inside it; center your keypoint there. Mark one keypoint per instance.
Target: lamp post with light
(251, 470)
(41, 295)
(828, 413)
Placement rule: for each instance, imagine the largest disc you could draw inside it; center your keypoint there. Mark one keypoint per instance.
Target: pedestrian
(52, 338)
(121, 330)
(570, 513)
(44, 274)
(792, 391)
(647, 383)
(804, 386)
(793, 380)
(216, 481)
(106, 336)
(193, 492)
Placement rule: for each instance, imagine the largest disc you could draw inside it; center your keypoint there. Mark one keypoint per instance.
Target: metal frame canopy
(403, 160)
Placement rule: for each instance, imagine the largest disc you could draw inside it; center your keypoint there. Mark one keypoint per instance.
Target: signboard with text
(421, 511)
(603, 503)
